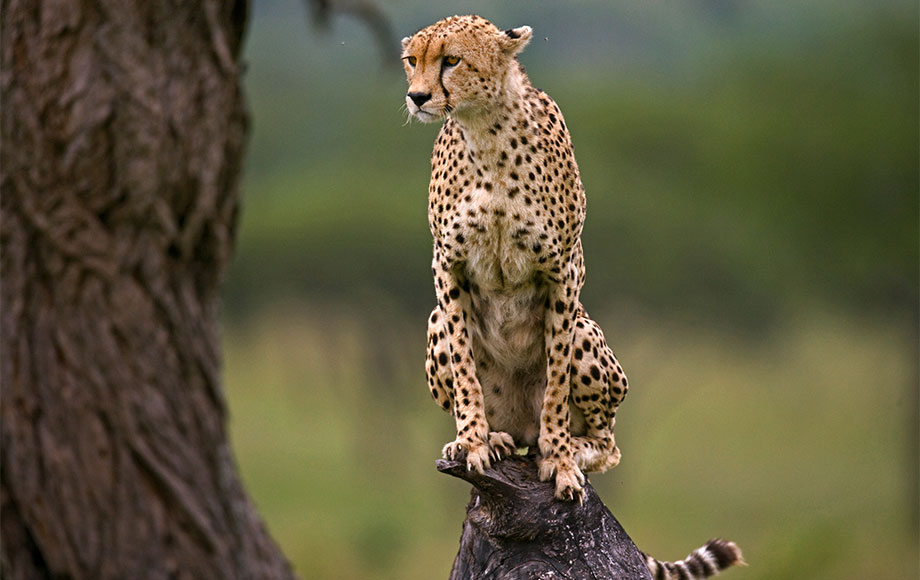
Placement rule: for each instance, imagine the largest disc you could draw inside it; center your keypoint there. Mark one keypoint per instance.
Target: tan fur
(511, 352)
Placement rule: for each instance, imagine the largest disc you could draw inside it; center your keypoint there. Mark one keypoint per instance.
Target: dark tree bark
(123, 130)
(516, 529)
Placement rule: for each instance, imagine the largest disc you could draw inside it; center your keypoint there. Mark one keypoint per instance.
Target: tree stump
(515, 528)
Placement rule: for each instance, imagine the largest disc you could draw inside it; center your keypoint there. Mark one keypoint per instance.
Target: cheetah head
(459, 66)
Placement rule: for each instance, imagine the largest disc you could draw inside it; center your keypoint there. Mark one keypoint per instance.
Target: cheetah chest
(504, 243)
(505, 247)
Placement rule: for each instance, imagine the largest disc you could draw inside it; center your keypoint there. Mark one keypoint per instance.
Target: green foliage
(765, 180)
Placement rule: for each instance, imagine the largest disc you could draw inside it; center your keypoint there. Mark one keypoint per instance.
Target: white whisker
(405, 109)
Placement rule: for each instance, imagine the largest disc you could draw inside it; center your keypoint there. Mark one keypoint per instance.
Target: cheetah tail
(706, 561)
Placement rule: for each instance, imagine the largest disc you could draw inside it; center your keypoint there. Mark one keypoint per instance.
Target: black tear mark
(447, 105)
(511, 33)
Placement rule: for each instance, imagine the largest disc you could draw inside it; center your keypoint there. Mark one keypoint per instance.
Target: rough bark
(516, 529)
(123, 129)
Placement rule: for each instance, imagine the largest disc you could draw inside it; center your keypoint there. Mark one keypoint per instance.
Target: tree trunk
(516, 529)
(123, 130)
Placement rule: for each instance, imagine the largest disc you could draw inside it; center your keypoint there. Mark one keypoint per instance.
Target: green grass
(794, 446)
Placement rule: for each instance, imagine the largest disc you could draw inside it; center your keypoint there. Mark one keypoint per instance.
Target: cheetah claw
(477, 454)
(570, 480)
(480, 455)
(500, 445)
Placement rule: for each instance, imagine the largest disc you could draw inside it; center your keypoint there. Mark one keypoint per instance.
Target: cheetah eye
(412, 60)
(451, 60)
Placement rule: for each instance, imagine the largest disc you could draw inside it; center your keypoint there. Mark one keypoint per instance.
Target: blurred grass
(752, 255)
(794, 446)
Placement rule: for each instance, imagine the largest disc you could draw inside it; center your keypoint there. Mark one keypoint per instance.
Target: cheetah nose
(419, 98)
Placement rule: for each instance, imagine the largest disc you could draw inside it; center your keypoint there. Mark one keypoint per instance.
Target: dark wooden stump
(516, 529)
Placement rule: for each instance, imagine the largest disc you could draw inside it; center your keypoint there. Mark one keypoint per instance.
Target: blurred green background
(752, 255)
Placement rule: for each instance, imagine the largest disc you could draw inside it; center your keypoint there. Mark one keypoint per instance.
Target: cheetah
(512, 354)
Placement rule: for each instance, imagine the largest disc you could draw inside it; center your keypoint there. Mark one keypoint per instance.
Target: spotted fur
(512, 354)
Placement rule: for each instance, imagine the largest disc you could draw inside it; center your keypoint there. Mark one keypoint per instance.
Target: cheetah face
(458, 67)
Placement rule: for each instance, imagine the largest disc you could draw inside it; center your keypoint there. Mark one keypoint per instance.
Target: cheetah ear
(405, 42)
(514, 40)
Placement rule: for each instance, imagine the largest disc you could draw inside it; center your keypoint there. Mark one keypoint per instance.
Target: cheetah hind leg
(598, 386)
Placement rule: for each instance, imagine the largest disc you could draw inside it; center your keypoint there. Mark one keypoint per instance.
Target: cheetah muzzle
(512, 354)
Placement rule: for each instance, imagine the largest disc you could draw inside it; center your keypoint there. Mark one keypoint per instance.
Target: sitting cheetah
(512, 354)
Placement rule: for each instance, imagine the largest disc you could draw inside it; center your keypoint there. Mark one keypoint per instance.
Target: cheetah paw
(476, 453)
(588, 458)
(500, 445)
(612, 460)
(570, 480)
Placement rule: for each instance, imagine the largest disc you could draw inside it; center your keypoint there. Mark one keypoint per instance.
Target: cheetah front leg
(437, 363)
(441, 381)
(557, 455)
(449, 342)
